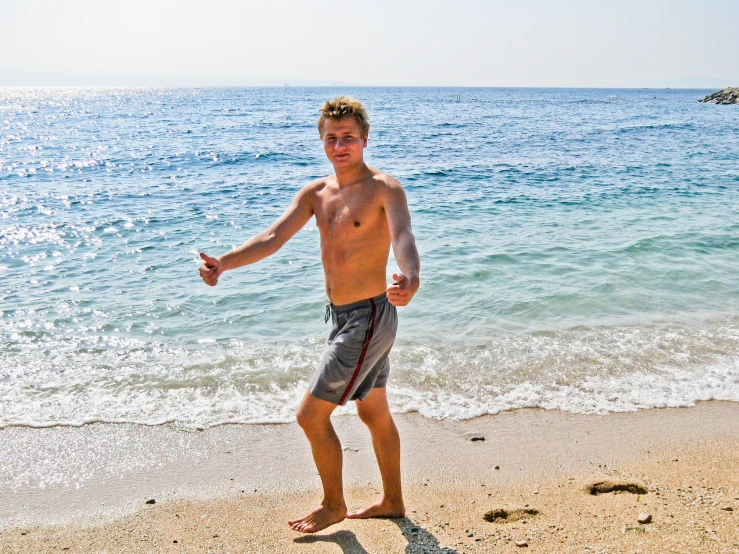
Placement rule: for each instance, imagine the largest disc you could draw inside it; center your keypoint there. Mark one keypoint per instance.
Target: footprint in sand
(601, 487)
(509, 516)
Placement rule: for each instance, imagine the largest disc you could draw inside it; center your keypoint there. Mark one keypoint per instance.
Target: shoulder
(311, 189)
(315, 186)
(391, 189)
(387, 183)
(385, 179)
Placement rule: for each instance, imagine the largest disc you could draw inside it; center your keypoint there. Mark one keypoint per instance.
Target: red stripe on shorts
(367, 340)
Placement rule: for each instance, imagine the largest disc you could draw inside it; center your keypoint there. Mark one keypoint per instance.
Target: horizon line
(289, 85)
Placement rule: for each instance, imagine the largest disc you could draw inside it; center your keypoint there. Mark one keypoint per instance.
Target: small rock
(478, 438)
(151, 501)
(174, 541)
(470, 534)
(728, 509)
(522, 544)
(415, 529)
(496, 467)
(350, 449)
(644, 517)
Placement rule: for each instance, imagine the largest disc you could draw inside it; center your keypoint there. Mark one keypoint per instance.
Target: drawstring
(327, 315)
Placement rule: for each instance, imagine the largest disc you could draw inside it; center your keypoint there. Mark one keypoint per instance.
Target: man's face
(343, 141)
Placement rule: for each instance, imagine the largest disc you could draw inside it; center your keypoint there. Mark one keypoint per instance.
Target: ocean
(579, 250)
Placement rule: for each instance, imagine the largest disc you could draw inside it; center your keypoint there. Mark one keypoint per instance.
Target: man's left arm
(404, 245)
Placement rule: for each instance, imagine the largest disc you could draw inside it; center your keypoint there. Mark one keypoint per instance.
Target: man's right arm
(265, 243)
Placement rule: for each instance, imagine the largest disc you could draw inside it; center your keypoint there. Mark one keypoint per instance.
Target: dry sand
(686, 459)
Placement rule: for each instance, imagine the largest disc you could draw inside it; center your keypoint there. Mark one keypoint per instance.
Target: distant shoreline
(338, 87)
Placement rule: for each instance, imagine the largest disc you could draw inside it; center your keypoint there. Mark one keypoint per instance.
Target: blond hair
(344, 106)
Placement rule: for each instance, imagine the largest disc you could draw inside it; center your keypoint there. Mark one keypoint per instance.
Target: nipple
(356, 223)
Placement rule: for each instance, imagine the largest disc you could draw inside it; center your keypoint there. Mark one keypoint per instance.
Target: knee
(303, 418)
(372, 418)
(309, 419)
(366, 418)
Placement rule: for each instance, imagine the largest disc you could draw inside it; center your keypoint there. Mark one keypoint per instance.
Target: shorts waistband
(366, 303)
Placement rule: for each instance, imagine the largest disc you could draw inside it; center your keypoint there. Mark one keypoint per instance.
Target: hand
(402, 290)
(211, 269)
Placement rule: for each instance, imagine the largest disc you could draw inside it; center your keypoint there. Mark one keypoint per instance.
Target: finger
(397, 301)
(213, 262)
(398, 277)
(396, 295)
(207, 269)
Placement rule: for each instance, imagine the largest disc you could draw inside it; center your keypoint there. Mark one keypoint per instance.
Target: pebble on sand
(522, 544)
(644, 517)
(151, 501)
(477, 438)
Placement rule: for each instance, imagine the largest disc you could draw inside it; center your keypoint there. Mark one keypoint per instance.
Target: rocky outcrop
(727, 96)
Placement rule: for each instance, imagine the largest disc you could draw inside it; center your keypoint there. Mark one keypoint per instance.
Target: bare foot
(318, 519)
(382, 508)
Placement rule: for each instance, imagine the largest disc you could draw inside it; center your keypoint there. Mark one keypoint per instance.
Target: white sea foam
(616, 369)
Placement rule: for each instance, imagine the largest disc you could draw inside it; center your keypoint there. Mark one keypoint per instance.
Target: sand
(232, 488)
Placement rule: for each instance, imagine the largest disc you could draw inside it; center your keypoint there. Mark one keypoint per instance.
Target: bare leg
(314, 416)
(375, 413)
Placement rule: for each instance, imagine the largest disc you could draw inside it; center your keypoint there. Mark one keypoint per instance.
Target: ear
(365, 140)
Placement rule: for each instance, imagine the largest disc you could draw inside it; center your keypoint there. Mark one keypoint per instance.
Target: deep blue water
(579, 251)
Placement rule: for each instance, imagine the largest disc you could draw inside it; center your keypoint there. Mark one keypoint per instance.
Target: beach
(232, 488)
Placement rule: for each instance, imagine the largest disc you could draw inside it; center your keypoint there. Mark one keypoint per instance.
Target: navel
(356, 223)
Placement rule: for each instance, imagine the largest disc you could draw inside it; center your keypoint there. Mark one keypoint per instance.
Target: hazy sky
(378, 42)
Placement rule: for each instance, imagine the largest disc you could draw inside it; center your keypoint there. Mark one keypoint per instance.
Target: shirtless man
(360, 212)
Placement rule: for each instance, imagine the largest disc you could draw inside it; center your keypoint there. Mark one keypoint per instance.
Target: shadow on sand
(420, 541)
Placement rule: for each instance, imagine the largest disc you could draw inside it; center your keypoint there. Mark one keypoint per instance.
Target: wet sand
(232, 488)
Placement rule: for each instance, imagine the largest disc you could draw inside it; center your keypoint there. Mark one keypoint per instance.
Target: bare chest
(353, 215)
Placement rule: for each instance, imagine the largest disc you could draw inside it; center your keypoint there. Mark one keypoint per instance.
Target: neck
(350, 175)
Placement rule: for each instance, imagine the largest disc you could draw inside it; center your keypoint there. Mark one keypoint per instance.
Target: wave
(582, 369)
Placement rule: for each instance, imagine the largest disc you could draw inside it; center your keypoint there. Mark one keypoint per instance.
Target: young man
(360, 212)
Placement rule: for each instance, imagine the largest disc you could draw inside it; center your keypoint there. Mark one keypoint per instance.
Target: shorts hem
(325, 396)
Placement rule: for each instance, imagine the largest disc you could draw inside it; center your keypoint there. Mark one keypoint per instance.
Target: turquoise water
(579, 251)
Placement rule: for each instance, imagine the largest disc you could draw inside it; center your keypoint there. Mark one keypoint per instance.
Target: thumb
(212, 262)
(398, 277)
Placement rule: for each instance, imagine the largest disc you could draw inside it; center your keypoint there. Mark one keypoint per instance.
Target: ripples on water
(579, 251)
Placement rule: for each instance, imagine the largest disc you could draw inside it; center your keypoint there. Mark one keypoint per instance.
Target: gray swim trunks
(356, 357)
